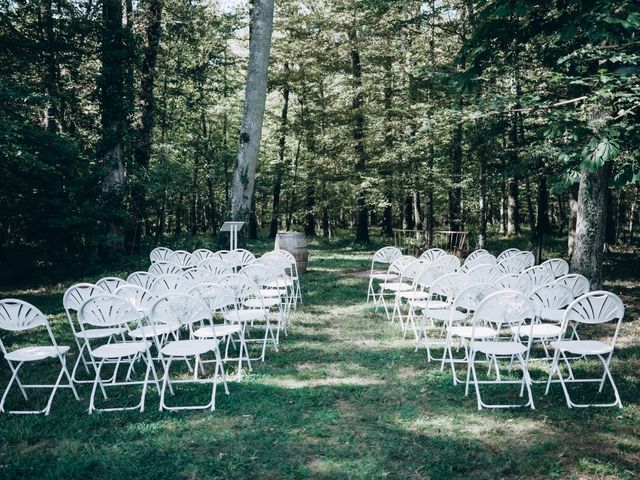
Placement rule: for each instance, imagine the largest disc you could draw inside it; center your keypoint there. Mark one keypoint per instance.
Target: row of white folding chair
(157, 328)
(386, 256)
(184, 259)
(545, 300)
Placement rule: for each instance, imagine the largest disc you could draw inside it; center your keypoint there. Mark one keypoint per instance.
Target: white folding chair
(245, 256)
(142, 279)
(17, 316)
(483, 274)
(186, 310)
(438, 311)
(417, 298)
(476, 253)
(558, 266)
(160, 254)
(182, 259)
(484, 259)
(139, 297)
(505, 309)
(509, 252)
(199, 255)
(578, 284)
(595, 308)
(219, 300)
(458, 329)
(110, 284)
(404, 284)
(431, 255)
(291, 269)
(215, 266)
(384, 256)
(72, 300)
(111, 312)
(450, 262)
(250, 312)
(164, 268)
(230, 258)
(538, 276)
(195, 276)
(169, 283)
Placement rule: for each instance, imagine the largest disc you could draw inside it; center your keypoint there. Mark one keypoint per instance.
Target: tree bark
(482, 201)
(280, 166)
(52, 72)
(541, 225)
(573, 218)
(590, 225)
(113, 118)
(260, 30)
(362, 215)
(513, 224)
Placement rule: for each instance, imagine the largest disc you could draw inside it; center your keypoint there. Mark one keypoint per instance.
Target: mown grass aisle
(344, 398)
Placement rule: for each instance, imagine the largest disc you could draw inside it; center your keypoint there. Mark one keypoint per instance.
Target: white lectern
(232, 228)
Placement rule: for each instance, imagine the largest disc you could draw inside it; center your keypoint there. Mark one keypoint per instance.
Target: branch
(531, 109)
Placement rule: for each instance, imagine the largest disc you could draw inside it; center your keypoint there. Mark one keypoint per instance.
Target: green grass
(344, 398)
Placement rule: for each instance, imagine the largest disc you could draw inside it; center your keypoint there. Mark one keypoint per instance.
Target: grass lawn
(344, 398)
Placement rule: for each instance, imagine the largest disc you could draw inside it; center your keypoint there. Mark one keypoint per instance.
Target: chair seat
(220, 330)
(182, 348)
(149, 332)
(281, 282)
(432, 305)
(396, 286)
(499, 348)
(480, 332)
(383, 276)
(264, 302)
(539, 330)
(92, 333)
(120, 350)
(247, 315)
(444, 314)
(32, 354)
(413, 295)
(552, 314)
(582, 347)
(273, 292)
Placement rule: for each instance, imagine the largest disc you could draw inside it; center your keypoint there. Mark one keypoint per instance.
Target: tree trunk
(280, 166)
(147, 105)
(362, 215)
(244, 175)
(531, 217)
(325, 223)
(482, 202)
(513, 224)
(455, 193)
(52, 72)
(610, 225)
(309, 216)
(541, 226)
(590, 225)
(573, 218)
(113, 118)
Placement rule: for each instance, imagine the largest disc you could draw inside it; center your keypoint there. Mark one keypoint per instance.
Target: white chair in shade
(182, 259)
(160, 254)
(164, 268)
(558, 266)
(487, 274)
(141, 279)
(584, 313)
(505, 309)
(509, 252)
(484, 259)
(433, 254)
(111, 312)
(476, 253)
(110, 284)
(384, 256)
(199, 255)
(18, 317)
(187, 310)
(578, 284)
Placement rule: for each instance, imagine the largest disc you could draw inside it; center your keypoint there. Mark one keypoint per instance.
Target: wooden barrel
(296, 244)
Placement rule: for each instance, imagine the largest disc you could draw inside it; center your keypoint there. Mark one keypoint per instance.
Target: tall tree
(260, 28)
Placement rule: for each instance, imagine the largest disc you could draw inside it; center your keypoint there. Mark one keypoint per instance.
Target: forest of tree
(119, 121)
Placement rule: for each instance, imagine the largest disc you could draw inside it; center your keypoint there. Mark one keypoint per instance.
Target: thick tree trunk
(52, 72)
(326, 232)
(113, 118)
(309, 216)
(455, 193)
(573, 218)
(531, 217)
(244, 175)
(280, 166)
(610, 225)
(590, 225)
(362, 215)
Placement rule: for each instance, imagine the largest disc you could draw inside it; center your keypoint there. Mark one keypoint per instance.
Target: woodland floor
(344, 398)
